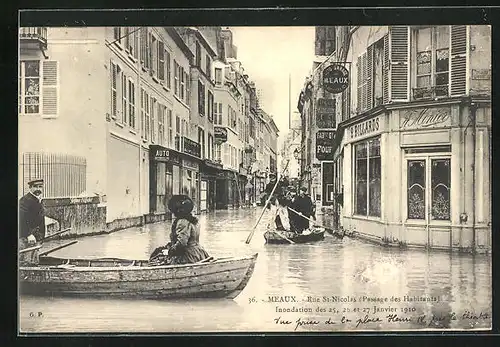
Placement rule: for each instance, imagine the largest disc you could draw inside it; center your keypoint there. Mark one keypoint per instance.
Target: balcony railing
(430, 92)
(34, 34)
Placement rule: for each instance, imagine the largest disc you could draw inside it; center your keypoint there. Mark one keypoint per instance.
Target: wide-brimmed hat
(180, 204)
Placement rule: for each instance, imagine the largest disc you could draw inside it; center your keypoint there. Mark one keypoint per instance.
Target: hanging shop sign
(220, 135)
(335, 78)
(325, 113)
(324, 144)
(424, 118)
(192, 148)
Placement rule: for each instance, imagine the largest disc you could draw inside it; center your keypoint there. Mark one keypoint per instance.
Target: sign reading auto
(335, 78)
(324, 144)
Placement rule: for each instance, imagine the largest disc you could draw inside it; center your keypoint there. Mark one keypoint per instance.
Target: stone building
(413, 133)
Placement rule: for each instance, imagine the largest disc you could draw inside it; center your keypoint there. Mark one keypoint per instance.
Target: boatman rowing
(31, 215)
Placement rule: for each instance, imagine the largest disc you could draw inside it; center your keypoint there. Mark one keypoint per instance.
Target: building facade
(415, 124)
(137, 128)
(202, 112)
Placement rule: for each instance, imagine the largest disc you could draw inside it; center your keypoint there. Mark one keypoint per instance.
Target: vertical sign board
(325, 113)
(324, 144)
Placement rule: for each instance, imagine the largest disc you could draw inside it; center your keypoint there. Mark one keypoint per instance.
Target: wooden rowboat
(284, 237)
(111, 277)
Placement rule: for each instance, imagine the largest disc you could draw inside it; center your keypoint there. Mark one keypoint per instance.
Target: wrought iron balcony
(34, 35)
(430, 92)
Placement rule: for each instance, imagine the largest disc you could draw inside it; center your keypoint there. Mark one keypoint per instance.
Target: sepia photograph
(240, 179)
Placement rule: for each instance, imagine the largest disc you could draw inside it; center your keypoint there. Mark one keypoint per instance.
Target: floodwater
(347, 285)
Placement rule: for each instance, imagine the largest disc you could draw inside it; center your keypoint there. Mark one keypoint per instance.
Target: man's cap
(35, 181)
(303, 189)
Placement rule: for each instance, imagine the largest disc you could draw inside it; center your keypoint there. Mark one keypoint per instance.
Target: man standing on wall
(31, 215)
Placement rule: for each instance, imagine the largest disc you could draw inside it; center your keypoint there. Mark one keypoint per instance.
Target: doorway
(427, 198)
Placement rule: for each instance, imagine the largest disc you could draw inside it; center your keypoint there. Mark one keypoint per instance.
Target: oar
(30, 249)
(315, 223)
(249, 238)
(283, 236)
(58, 233)
(58, 248)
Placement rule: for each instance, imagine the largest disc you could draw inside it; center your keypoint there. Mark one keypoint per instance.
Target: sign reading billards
(335, 78)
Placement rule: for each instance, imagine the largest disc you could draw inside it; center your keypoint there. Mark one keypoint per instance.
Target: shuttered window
(161, 61)
(153, 110)
(458, 59)
(117, 35)
(154, 56)
(386, 70)
(362, 69)
(168, 65)
(431, 51)
(50, 88)
(131, 104)
(124, 98)
(369, 78)
(144, 47)
(399, 63)
(359, 70)
(114, 89)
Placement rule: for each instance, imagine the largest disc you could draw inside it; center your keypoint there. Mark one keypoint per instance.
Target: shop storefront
(171, 173)
(419, 176)
(209, 174)
(165, 177)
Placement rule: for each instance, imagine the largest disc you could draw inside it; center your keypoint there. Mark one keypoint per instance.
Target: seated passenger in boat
(184, 246)
(279, 200)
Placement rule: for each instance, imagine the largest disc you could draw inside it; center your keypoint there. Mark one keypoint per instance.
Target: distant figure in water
(184, 247)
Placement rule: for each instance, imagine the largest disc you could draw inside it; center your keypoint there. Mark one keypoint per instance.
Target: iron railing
(34, 34)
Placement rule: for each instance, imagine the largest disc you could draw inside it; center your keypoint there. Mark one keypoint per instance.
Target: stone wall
(84, 215)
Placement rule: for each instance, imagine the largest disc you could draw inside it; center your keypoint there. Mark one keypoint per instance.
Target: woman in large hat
(184, 247)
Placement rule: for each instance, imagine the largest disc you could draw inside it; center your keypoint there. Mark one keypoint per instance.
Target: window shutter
(399, 63)
(359, 66)
(113, 88)
(385, 71)
(50, 87)
(458, 59)
(143, 44)
(136, 43)
(369, 78)
(365, 82)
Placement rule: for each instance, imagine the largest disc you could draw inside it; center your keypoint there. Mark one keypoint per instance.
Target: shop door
(428, 189)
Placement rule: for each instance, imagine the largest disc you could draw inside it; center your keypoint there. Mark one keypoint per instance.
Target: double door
(427, 199)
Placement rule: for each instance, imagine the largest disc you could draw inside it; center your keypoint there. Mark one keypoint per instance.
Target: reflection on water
(348, 270)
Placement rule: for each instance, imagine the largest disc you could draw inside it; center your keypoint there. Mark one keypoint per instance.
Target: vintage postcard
(231, 179)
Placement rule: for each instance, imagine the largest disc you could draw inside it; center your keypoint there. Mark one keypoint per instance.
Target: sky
(269, 55)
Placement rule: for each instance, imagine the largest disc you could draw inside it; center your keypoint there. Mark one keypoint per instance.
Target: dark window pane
(442, 79)
(442, 60)
(375, 176)
(32, 68)
(416, 189)
(440, 178)
(361, 178)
